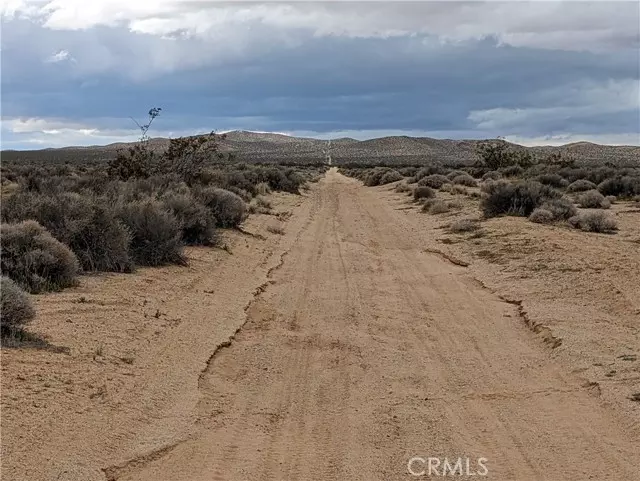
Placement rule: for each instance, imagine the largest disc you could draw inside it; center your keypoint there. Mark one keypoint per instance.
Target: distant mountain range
(266, 147)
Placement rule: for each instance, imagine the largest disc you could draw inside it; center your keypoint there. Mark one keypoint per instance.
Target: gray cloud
(526, 70)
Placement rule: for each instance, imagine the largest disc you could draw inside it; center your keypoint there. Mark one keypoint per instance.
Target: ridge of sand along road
(366, 351)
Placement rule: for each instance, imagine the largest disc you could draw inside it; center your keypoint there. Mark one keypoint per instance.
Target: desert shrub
(518, 199)
(374, 176)
(197, 223)
(542, 216)
(423, 192)
(408, 171)
(390, 176)
(262, 188)
(464, 225)
(35, 260)
(402, 187)
(429, 170)
(562, 208)
(435, 181)
(581, 185)
(17, 308)
(86, 224)
(512, 171)
(611, 199)
(101, 242)
(465, 179)
(592, 199)
(228, 208)
(455, 173)
(243, 194)
(625, 186)
(597, 221)
(435, 206)
(494, 154)
(156, 234)
(458, 189)
(492, 175)
(455, 205)
(554, 180)
(259, 205)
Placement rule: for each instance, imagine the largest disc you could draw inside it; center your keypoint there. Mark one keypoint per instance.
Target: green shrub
(518, 199)
(156, 235)
(228, 208)
(35, 260)
(17, 309)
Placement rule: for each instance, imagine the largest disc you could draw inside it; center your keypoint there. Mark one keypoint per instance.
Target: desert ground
(353, 336)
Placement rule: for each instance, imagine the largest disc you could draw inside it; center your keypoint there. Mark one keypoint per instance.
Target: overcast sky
(73, 71)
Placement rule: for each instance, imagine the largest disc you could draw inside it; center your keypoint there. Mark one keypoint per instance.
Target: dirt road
(365, 351)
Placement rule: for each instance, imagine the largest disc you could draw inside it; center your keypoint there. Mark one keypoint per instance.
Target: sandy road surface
(366, 350)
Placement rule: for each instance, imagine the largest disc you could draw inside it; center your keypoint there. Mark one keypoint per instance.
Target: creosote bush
(35, 260)
(17, 308)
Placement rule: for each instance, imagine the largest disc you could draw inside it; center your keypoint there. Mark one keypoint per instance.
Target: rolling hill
(279, 148)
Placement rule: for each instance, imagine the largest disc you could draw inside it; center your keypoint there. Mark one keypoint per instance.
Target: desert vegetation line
(140, 209)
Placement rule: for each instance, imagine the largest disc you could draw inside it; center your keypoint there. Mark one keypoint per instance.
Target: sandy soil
(357, 348)
(580, 291)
